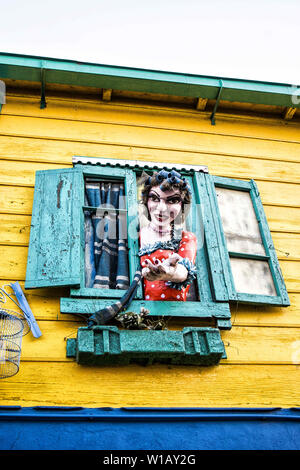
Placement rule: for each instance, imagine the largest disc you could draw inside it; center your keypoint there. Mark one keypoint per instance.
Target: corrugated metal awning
(138, 164)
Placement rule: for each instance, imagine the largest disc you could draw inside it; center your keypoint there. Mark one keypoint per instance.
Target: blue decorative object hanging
(24, 306)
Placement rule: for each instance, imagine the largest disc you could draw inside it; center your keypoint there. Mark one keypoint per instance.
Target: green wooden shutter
(54, 247)
(251, 271)
(212, 237)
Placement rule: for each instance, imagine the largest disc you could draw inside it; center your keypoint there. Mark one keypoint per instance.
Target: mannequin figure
(167, 251)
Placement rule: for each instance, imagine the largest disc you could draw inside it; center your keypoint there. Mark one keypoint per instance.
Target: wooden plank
(16, 200)
(156, 115)
(67, 384)
(290, 271)
(252, 345)
(287, 245)
(61, 152)
(14, 229)
(244, 345)
(250, 315)
(13, 262)
(23, 173)
(262, 170)
(39, 150)
(279, 194)
(214, 148)
(283, 219)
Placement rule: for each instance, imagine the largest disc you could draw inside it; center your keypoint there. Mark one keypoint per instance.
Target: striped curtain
(106, 250)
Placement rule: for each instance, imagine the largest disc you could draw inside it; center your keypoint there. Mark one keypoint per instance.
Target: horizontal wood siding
(263, 347)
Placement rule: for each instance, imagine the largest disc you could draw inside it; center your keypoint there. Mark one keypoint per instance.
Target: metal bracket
(212, 117)
(106, 94)
(43, 103)
(2, 94)
(289, 113)
(201, 104)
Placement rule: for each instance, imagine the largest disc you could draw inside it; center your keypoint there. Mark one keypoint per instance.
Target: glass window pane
(239, 221)
(106, 250)
(252, 276)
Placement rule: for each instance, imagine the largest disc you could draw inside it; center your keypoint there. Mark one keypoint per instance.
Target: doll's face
(164, 206)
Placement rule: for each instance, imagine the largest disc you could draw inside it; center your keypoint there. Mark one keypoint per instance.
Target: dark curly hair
(166, 185)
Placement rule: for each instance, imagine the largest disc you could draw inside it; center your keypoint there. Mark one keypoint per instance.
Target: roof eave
(67, 72)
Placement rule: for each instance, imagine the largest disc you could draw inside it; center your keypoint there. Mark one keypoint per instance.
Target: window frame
(86, 301)
(126, 176)
(281, 299)
(65, 208)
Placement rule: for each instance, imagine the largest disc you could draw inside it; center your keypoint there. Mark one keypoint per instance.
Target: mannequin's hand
(166, 270)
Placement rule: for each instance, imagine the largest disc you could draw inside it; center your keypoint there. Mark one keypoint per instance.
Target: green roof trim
(71, 72)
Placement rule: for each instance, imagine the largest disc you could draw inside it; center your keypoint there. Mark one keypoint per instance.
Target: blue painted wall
(149, 429)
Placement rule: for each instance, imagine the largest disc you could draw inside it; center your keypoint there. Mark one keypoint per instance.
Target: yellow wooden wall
(263, 347)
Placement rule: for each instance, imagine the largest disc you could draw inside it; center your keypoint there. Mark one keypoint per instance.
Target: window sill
(219, 311)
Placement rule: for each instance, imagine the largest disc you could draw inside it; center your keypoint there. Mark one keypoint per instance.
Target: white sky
(253, 39)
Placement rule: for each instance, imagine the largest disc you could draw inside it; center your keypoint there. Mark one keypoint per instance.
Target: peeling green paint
(107, 345)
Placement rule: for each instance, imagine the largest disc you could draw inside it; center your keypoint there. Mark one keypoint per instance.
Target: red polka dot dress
(161, 290)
